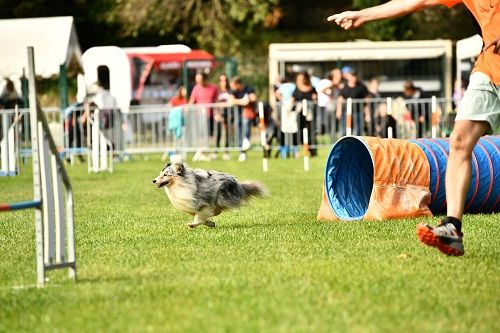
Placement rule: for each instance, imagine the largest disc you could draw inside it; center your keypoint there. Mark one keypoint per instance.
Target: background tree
(432, 23)
(215, 25)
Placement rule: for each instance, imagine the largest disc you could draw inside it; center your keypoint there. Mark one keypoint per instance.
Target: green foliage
(269, 267)
(213, 25)
(392, 29)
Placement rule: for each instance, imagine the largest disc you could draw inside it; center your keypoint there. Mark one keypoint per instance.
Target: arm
(192, 98)
(245, 100)
(353, 19)
(340, 101)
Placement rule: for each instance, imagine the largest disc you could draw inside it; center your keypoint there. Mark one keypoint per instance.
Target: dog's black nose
(154, 181)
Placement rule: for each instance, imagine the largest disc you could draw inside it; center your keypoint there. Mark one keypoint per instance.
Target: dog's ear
(166, 166)
(180, 168)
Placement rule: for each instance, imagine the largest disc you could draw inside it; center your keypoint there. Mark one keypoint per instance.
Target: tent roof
(165, 58)
(53, 38)
(362, 50)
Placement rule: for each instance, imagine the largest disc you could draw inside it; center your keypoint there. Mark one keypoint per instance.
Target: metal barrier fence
(223, 128)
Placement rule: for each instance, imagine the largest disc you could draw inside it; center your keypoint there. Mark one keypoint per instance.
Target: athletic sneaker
(444, 236)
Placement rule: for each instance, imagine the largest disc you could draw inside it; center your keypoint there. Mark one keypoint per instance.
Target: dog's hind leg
(201, 218)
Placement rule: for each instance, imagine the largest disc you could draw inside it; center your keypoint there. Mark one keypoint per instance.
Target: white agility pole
(262, 128)
(389, 113)
(100, 154)
(4, 146)
(35, 153)
(9, 155)
(348, 129)
(434, 116)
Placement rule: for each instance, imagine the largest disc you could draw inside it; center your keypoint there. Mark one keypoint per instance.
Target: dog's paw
(192, 225)
(210, 224)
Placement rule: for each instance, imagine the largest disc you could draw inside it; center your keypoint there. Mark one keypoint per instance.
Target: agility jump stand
(9, 145)
(54, 228)
(100, 152)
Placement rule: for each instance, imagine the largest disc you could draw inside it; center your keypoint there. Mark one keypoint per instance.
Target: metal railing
(220, 127)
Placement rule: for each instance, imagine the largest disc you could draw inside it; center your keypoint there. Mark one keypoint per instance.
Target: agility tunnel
(375, 179)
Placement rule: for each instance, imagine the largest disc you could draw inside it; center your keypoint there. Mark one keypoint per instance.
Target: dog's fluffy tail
(253, 188)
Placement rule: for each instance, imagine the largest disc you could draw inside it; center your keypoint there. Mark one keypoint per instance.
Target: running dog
(203, 193)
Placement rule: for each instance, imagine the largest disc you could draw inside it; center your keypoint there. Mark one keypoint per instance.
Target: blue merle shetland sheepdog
(203, 193)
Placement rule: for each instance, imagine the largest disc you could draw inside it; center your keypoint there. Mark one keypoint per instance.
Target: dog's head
(169, 174)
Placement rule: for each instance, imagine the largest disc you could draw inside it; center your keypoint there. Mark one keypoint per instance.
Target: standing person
(305, 90)
(325, 100)
(244, 98)
(283, 93)
(420, 115)
(204, 93)
(9, 97)
(479, 112)
(383, 121)
(375, 96)
(179, 98)
(355, 89)
(337, 85)
(109, 114)
(222, 115)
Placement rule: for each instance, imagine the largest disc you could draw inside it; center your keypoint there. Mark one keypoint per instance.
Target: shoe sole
(427, 237)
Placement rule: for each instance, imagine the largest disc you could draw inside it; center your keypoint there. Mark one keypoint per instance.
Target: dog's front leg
(201, 217)
(198, 220)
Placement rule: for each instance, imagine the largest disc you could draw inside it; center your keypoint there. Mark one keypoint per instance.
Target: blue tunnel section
(484, 192)
(349, 178)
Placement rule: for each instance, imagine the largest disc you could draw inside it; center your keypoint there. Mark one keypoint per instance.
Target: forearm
(395, 8)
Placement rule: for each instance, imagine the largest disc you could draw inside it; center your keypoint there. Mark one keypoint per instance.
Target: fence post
(348, 130)
(262, 128)
(305, 134)
(389, 113)
(434, 116)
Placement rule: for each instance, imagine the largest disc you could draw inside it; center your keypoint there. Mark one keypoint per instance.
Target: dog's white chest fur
(181, 197)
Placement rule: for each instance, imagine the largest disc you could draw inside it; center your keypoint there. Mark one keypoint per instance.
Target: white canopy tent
(54, 40)
(361, 50)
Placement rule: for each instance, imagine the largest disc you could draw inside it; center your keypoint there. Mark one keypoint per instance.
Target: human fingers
(332, 17)
(347, 24)
(338, 18)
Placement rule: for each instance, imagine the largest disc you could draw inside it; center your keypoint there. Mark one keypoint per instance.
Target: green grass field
(269, 267)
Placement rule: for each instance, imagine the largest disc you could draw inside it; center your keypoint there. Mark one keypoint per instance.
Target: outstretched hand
(347, 20)
(495, 44)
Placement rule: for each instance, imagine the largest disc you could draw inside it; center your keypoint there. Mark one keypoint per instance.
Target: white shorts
(481, 101)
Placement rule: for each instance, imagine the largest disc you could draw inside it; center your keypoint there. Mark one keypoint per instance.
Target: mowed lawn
(269, 267)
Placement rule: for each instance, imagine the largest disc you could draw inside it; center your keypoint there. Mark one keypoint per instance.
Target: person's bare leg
(447, 235)
(463, 138)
